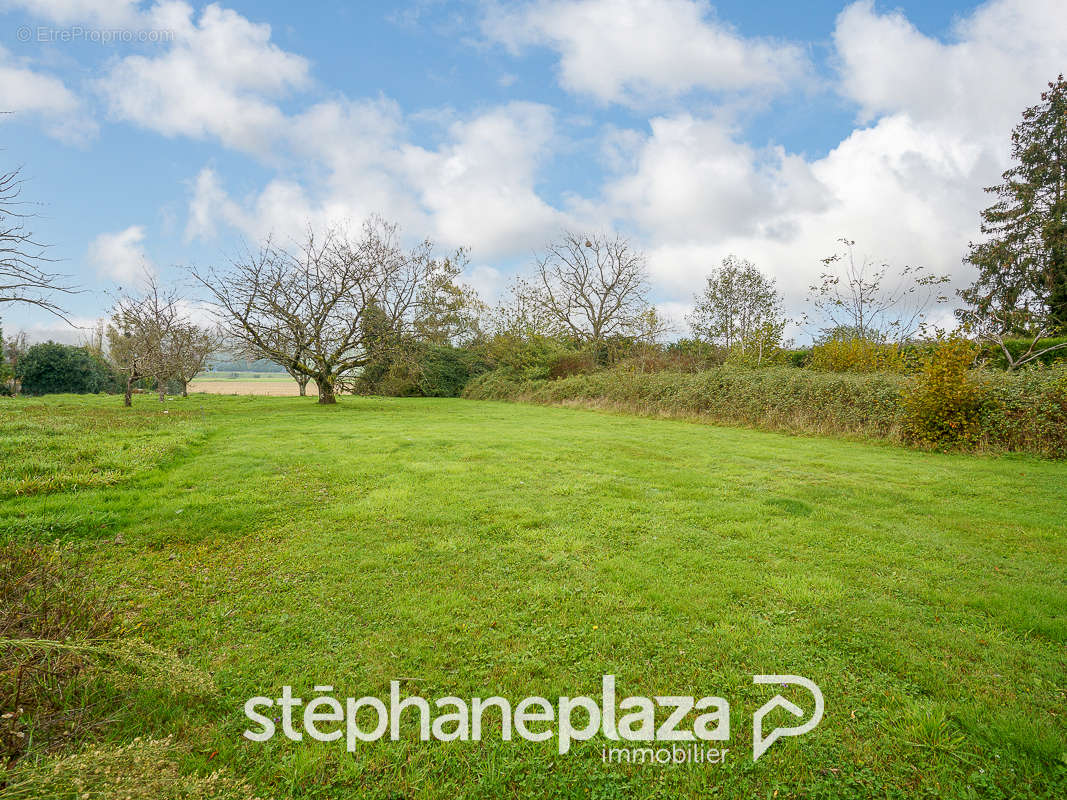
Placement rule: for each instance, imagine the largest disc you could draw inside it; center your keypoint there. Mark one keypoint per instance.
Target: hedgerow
(1026, 411)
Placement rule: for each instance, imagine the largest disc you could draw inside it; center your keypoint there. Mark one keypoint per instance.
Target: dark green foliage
(444, 371)
(52, 368)
(993, 356)
(798, 358)
(1022, 263)
(421, 370)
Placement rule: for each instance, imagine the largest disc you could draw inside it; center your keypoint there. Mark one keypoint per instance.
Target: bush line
(1022, 412)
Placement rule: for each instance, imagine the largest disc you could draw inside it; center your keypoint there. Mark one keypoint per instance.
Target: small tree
(452, 313)
(739, 308)
(860, 295)
(11, 350)
(186, 351)
(590, 288)
(138, 336)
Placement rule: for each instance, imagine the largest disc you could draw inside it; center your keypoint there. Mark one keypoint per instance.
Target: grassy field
(471, 548)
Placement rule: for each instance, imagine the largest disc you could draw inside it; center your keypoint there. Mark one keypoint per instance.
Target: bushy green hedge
(1025, 411)
(995, 356)
(428, 371)
(51, 368)
(781, 398)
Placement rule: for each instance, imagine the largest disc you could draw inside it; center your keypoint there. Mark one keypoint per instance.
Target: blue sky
(762, 129)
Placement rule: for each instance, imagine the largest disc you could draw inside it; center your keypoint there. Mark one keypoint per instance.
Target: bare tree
(23, 278)
(140, 329)
(993, 321)
(591, 287)
(304, 309)
(859, 297)
(186, 350)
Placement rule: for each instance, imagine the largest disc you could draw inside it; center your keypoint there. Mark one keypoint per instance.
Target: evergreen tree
(1022, 281)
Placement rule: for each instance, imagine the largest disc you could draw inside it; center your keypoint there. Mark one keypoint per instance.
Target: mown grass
(46, 446)
(474, 548)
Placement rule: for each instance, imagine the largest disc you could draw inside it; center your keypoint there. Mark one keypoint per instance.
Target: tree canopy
(1022, 263)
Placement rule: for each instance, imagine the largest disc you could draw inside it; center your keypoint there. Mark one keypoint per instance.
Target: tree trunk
(185, 388)
(128, 401)
(326, 395)
(302, 382)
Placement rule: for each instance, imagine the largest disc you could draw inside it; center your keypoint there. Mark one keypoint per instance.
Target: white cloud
(26, 92)
(218, 78)
(998, 60)
(908, 187)
(77, 332)
(638, 51)
(693, 175)
(477, 188)
(66, 12)
(120, 256)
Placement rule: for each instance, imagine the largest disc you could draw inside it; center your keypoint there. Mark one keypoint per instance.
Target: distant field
(273, 384)
(477, 548)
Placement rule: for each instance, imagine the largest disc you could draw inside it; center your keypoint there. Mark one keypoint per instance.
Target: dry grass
(283, 387)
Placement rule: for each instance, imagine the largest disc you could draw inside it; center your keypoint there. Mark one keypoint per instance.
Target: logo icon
(759, 743)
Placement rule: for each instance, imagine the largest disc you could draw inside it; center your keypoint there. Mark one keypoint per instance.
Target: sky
(161, 135)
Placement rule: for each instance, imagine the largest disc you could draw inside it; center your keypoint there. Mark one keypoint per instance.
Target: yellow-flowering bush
(943, 403)
(855, 354)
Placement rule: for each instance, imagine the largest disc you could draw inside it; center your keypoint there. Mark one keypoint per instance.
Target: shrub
(781, 398)
(52, 368)
(943, 403)
(426, 371)
(854, 354)
(7, 380)
(572, 362)
(443, 371)
(528, 357)
(1026, 410)
(798, 358)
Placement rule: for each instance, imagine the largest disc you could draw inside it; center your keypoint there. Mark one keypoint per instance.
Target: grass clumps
(43, 450)
(144, 769)
(43, 694)
(68, 666)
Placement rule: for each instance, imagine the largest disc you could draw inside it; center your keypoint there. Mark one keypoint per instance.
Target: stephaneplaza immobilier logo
(633, 719)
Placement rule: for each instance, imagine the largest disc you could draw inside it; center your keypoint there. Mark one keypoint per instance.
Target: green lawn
(481, 548)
